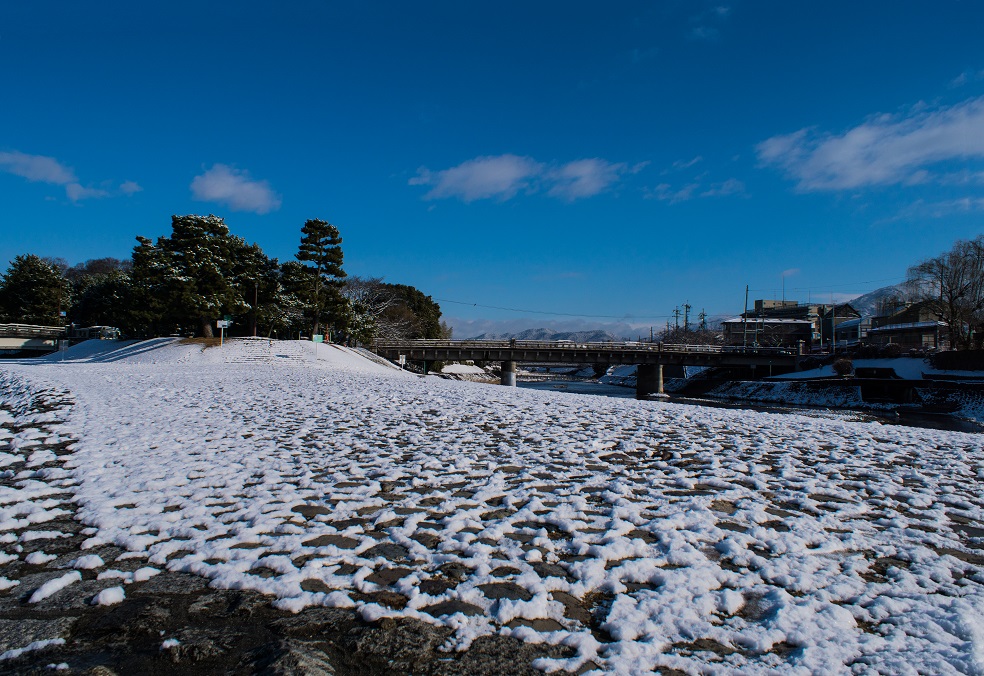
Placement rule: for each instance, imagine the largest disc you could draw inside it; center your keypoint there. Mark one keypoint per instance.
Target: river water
(909, 419)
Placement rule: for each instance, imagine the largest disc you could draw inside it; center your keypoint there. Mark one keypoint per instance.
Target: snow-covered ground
(905, 367)
(643, 534)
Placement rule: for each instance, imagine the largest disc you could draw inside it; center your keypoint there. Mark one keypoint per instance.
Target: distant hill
(598, 336)
(868, 304)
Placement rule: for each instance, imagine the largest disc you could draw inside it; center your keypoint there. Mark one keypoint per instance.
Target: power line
(821, 287)
(547, 312)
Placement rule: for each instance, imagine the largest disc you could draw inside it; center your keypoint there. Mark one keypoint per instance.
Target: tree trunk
(206, 327)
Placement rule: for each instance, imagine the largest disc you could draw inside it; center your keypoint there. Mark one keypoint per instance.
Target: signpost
(402, 360)
(317, 338)
(222, 325)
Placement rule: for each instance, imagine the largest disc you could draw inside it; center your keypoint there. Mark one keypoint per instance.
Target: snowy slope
(645, 535)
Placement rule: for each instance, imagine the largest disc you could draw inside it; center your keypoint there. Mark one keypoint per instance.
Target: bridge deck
(571, 352)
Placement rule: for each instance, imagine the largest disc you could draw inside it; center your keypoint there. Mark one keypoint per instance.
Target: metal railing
(30, 331)
(572, 345)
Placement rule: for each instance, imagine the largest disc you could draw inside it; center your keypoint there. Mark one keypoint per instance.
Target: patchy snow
(53, 586)
(35, 645)
(462, 368)
(908, 368)
(644, 535)
(109, 597)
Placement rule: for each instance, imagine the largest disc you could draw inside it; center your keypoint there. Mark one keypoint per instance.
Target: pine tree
(321, 250)
(33, 292)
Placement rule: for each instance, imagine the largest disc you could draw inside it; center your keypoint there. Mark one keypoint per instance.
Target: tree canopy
(33, 291)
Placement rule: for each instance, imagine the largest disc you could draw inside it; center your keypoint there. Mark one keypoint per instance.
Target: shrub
(891, 350)
(843, 367)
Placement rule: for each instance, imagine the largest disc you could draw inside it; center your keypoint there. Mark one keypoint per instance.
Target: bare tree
(378, 311)
(952, 284)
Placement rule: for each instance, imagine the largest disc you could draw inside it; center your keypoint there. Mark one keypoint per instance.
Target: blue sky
(604, 162)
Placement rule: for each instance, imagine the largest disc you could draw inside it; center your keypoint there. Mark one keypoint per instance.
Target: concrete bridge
(16, 338)
(650, 357)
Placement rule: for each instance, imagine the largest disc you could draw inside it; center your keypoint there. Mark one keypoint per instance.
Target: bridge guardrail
(561, 345)
(30, 331)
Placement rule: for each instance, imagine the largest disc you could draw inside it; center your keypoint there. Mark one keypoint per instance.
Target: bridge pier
(508, 373)
(649, 381)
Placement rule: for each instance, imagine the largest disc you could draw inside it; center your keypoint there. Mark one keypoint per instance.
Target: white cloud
(76, 192)
(485, 177)
(684, 164)
(583, 178)
(43, 169)
(234, 188)
(885, 150)
(37, 168)
(732, 186)
(665, 192)
(502, 177)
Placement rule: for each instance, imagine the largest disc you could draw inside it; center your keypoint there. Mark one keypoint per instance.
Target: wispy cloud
(502, 177)
(586, 178)
(732, 186)
(680, 165)
(666, 192)
(37, 168)
(922, 209)
(966, 77)
(708, 23)
(44, 169)
(235, 189)
(130, 188)
(884, 150)
(78, 192)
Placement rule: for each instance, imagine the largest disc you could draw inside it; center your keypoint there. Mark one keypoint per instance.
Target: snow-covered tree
(320, 252)
(33, 291)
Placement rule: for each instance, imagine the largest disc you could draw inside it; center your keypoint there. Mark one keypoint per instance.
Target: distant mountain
(869, 304)
(597, 336)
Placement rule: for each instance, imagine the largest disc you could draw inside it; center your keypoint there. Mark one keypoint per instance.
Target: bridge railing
(30, 331)
(572, 345)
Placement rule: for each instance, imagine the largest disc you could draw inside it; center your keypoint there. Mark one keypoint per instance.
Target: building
(852, 332)
(917, 326)
(767, 331)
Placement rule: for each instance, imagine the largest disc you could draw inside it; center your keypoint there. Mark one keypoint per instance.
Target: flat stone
(544, 625)
(315, 585)
(308, 511)
(505, 571)
(451, 607)
(19, 633)
(386, 598)
(428, 540)
(550, 570)
(505, 590)
(339, 541)
(387, 576)
(387, 550)
(435, 587)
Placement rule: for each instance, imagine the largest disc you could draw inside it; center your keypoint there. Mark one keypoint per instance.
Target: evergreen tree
(150, 308)
(33, 291)
(321, 251)
(103, 300)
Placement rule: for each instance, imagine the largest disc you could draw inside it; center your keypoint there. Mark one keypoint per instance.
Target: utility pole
(703, 320)
(651, 334)
(744, 321)
(686, 316)
(676, 317)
